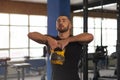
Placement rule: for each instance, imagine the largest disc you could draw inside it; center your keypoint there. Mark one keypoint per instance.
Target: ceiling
(78, 4)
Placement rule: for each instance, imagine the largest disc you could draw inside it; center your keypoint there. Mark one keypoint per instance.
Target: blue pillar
(55, 9)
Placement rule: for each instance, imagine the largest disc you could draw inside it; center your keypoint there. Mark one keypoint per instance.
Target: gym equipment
(100, 54)
(21, 67)
(57, 56)
(4, 65)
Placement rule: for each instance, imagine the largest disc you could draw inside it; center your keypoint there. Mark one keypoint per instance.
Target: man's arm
(43, 39)
(83, 38)
(38, 37)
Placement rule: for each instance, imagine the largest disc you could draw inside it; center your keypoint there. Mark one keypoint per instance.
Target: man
(72, 46)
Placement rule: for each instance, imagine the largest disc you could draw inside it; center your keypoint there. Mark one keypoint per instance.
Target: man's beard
(63, 30)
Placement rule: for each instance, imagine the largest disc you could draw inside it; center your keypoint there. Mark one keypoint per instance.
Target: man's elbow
(90, 38)
(31, 35)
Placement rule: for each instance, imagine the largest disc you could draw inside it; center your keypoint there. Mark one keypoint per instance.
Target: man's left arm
(83, 38)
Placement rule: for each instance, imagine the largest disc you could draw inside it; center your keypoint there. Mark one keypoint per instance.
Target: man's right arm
(38, 37)
(43, 39)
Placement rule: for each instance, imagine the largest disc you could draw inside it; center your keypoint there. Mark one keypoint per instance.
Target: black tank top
(69, 70)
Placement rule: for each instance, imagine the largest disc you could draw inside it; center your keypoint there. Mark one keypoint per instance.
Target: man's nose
(61, 22)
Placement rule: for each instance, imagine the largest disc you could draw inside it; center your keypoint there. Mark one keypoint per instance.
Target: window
(94, 27)
(39, 24)
(4, 19)
(13, 31)
(4, 34)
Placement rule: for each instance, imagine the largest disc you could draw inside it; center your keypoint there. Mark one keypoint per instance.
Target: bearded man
(65, 49)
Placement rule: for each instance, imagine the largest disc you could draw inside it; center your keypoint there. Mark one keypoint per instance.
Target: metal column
(85, 58)
(118, 40)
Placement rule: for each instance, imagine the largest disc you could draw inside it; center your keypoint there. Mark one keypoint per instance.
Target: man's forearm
(38, 37)
(82, 38)
(43, 39)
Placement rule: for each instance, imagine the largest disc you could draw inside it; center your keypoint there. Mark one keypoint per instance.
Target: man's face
(63, 24)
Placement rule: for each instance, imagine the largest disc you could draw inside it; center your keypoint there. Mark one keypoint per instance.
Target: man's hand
(52, 43)
(57, 43)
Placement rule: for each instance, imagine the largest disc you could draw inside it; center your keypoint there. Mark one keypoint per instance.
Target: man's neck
(64, 35)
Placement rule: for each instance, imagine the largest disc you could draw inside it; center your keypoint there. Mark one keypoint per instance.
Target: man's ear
(70, 25)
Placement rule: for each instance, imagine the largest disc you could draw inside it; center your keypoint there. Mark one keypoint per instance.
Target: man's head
(63, 24)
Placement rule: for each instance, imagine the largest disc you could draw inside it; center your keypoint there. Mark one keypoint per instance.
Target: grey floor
(105, 75)
(27, 77)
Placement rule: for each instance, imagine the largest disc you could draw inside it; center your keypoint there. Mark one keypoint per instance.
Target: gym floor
(105, 75)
